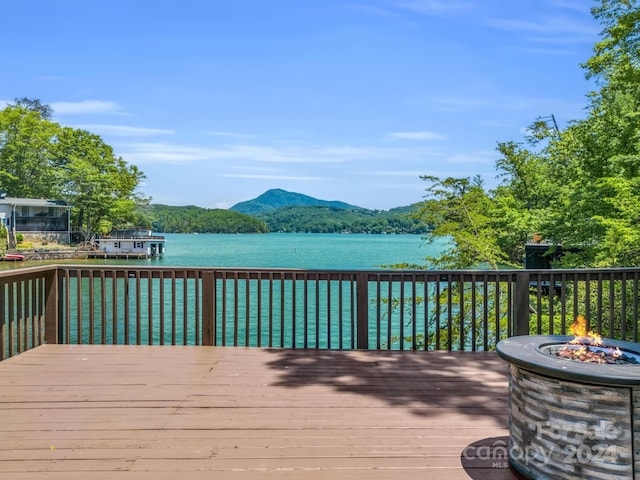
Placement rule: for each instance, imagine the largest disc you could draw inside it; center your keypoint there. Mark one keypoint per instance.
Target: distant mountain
(277, 198)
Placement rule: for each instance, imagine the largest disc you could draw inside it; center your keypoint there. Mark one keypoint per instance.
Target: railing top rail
(382, 273)
(27, 271)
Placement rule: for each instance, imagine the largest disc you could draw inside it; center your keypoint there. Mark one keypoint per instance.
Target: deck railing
(281, 308)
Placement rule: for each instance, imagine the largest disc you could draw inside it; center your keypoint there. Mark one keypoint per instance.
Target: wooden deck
(136, 412)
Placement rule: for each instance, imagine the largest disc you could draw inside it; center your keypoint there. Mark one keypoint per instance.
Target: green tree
(579, 187)
(41, 159)
(101, 186)
(26, 137)
(460, 209)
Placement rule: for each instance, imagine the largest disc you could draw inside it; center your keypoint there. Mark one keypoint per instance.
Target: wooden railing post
(521, 305)
(208, 308)
(362, 314)
(52, 326)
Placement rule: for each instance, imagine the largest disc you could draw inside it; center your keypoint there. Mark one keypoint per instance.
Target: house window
(137, 244)
(116, 244)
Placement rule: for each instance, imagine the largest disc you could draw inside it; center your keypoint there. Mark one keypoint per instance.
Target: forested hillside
(191, 219)
(319, 219)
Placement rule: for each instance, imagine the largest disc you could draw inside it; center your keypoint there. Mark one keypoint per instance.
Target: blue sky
(219, 100)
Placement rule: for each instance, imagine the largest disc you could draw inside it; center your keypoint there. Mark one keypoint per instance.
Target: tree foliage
(42, 159)
(579, 187)
(326, 219)
(191, 219)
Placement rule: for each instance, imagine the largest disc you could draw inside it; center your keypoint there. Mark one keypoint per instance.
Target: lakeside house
(129, 244)
(47, 219)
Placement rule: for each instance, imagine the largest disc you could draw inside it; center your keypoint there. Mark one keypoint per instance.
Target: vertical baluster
(150, 307)
(474, 311)
(449, 312)
(270, 309)
(196, 280)
(401, 303)
(91, 307)
(259, 313)
(612, 297)
(138, 308)
(552, 294)
(563, 303)
(185, 308)
(224, 308)
(3, 326)
(236, 298)
(173, 308)
(497, 286)
(19, 315)
(79, 303)
(11, 318)
(67, 297)
(329, 311)
(353, 312)
(437, 314)
(114, 307)
(317, 311)
(103, 308)
(635, 307)
(247, 310)
(461, 314)
(125, 279)
(282, 295)
(340, 315)
(293, 309)
(305, 309)
(414, 315)
(161, 301)
(425, 293)
(378, 312)
(623, 307)
(389, 310)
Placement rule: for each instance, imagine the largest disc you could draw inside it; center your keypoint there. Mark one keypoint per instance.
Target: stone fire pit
(572, 419)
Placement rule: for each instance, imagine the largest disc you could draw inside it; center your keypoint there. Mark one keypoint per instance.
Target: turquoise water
(280, 250)
(248, 311)
(295, 250)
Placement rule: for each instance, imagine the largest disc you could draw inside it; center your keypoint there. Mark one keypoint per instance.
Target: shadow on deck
(136, 412)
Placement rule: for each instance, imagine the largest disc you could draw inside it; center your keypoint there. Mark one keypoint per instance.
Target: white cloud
(563, 26)
(548, 51)
(230, 135)
(578, 6)
(506, 103)
(432, 7)
(398, 173)
(149, 152)
(86, 106)
(124, 130)
(139, 153)
(271, 177)
(420, 135)
(471, 158)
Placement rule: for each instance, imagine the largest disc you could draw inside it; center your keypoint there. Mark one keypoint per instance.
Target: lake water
(281, 250)
(295, 250)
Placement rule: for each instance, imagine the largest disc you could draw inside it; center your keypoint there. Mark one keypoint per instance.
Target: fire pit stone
(571, 419)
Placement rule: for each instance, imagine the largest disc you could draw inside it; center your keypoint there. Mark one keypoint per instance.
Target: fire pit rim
(524, 351)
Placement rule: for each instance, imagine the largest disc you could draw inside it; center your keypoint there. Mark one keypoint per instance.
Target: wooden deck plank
(143, 412)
